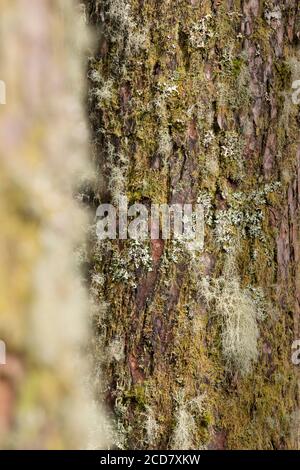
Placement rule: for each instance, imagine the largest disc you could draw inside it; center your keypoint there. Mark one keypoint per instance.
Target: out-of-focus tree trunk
(44, 403)
(191, 101)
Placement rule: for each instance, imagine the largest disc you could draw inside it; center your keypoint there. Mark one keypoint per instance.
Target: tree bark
(191, 101)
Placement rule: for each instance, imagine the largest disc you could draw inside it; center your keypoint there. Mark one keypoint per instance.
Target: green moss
(284, 74)
(137, 395)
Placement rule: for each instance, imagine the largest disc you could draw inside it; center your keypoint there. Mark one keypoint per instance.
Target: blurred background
(46, 401)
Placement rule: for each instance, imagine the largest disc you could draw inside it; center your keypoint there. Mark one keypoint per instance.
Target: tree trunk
(44, 400)
(191, 101)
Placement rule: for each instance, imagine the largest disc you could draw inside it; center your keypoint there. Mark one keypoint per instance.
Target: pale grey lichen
(125, 264)
(243, 215)
(201, 32)
(238, 310)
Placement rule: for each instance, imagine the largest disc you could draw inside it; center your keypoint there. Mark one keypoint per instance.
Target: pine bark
(191, 101)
